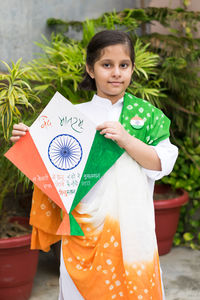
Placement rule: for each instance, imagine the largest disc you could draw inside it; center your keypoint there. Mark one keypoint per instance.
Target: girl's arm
(144, 154)
(18, 131)
(168, 153)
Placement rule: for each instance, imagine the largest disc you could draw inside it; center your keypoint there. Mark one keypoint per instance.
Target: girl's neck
(112, 99)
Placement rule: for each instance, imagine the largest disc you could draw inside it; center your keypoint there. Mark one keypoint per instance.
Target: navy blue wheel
(65, 152)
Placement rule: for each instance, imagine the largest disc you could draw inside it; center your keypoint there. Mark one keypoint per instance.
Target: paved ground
(181, 276)
(45, 286)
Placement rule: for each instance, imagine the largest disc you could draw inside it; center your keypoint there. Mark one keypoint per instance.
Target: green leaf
(7, 66)
(6, 121)
(188, 236)
(41, 88)
(3, 94)
(11, 101)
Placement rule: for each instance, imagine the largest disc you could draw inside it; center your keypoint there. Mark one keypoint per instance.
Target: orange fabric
(45, 219)
(97, 258)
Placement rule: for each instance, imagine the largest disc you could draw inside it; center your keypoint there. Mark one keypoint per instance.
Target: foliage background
(167, 74)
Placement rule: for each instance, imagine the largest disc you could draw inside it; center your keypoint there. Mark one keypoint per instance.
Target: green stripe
(102, 156)
(75, 228)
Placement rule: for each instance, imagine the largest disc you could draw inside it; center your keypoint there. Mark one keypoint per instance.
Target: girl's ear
(90, 71)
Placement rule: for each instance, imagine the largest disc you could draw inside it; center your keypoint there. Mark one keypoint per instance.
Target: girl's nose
(116, 71)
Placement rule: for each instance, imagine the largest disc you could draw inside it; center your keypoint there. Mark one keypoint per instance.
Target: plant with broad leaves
(14, 93)
(145, 83)
(58, 68)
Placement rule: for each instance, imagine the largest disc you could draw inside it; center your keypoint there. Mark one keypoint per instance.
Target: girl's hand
(114, 131)
(144, 154)
(18, 131)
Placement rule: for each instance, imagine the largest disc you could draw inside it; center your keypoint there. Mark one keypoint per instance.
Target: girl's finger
(14, 139)
(100, 127)
(110, 136)
(105, 125)
(18, 133)
(21, 127)
(108, 130)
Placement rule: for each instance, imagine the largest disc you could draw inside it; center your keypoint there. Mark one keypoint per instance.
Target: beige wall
(24, 21)
(194, 5)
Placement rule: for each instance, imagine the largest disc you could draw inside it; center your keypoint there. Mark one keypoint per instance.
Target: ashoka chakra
(65, 152)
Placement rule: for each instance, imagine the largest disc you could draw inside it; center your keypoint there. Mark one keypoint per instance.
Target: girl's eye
(106, 65)
(124, 66)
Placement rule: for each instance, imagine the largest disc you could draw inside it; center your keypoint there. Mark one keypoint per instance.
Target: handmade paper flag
(64, 156)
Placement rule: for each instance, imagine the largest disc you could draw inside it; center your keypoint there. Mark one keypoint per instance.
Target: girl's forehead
(121, 50)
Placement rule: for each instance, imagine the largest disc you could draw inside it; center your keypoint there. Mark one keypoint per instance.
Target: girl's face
(112, 72)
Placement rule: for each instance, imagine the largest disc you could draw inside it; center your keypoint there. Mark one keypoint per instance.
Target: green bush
(186, 176)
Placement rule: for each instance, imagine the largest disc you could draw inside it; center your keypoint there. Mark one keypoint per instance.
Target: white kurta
(100, 110)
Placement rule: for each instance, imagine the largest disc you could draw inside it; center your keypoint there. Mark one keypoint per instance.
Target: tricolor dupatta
(117, 258)
(64, 156)
(104, 153)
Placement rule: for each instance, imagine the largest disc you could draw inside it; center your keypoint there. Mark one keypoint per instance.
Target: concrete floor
(181, 275)
(46, 281)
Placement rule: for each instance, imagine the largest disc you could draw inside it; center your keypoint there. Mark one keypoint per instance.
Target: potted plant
(18, 262)
(167, 204)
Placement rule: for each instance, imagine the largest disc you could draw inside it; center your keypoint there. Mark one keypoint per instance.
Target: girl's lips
(115, 83)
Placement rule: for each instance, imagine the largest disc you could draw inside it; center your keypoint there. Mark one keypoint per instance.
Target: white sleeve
(168, 154)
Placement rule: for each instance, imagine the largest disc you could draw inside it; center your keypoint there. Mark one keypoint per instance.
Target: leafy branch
(14, 92)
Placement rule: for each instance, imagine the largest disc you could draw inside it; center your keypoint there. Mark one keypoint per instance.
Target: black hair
(94, 49)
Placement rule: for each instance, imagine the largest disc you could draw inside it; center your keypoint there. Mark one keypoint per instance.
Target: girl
(117, 258)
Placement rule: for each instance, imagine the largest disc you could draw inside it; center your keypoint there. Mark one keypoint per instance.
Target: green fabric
(156, 124)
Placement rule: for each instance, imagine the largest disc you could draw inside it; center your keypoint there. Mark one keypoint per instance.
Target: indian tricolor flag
(137, 122)
(64, 155)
